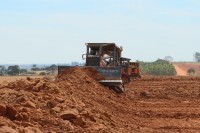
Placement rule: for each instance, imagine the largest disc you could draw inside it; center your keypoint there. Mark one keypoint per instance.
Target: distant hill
(182, 68)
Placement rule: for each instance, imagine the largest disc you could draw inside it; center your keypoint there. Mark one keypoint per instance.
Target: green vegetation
(2, 70)
(23, 71)
(13, 70)
(159, 68)
(191, 71)
(31, 72)
(43, 73)
(197, 56)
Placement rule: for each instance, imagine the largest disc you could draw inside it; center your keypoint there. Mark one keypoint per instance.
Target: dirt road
(180, 71)
(182, 68)
(78, 103)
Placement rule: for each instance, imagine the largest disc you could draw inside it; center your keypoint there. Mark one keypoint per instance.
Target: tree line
(16, 70)
(159, 68)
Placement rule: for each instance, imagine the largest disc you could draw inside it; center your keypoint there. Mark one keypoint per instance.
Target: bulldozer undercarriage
(126, 79)
(116, 85)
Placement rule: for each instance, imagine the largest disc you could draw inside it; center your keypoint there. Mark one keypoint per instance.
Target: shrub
(31, 72)
(43, 73)
(191, 71)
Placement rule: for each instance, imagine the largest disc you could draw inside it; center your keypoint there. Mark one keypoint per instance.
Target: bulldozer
(107, 59)
(130, 70)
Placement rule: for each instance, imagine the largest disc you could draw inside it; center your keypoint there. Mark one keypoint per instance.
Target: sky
(55, 31)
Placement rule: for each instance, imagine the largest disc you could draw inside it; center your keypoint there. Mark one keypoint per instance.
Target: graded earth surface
(75, 102)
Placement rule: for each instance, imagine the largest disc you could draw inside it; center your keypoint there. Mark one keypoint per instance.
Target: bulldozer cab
(125, 62)
(102, 54)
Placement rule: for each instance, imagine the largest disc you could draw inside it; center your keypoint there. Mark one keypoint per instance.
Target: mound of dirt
(84, 72)
(75, 102)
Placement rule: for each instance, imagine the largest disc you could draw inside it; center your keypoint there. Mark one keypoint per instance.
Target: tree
(53, 67)
(197, 57)
(34, 65)
(191, 71)
(24, 71)
(35, 68)
(13, 70)
(168, 58)
(75, 63)
(43, 73)
(2, 70)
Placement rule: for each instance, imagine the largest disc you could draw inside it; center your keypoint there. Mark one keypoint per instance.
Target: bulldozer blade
(112, 76)
(62, 68)
(110, 73)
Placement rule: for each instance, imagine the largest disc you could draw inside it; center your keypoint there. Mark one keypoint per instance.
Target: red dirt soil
(182, 68)
(180, 71)
(76, 102)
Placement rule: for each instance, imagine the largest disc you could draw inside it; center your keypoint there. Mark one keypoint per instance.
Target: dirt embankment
(76, 102)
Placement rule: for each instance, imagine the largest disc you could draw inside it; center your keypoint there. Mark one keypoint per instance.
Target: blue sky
(54, 31)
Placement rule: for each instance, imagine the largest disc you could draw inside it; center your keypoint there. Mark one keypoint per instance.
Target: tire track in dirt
(166, 104)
